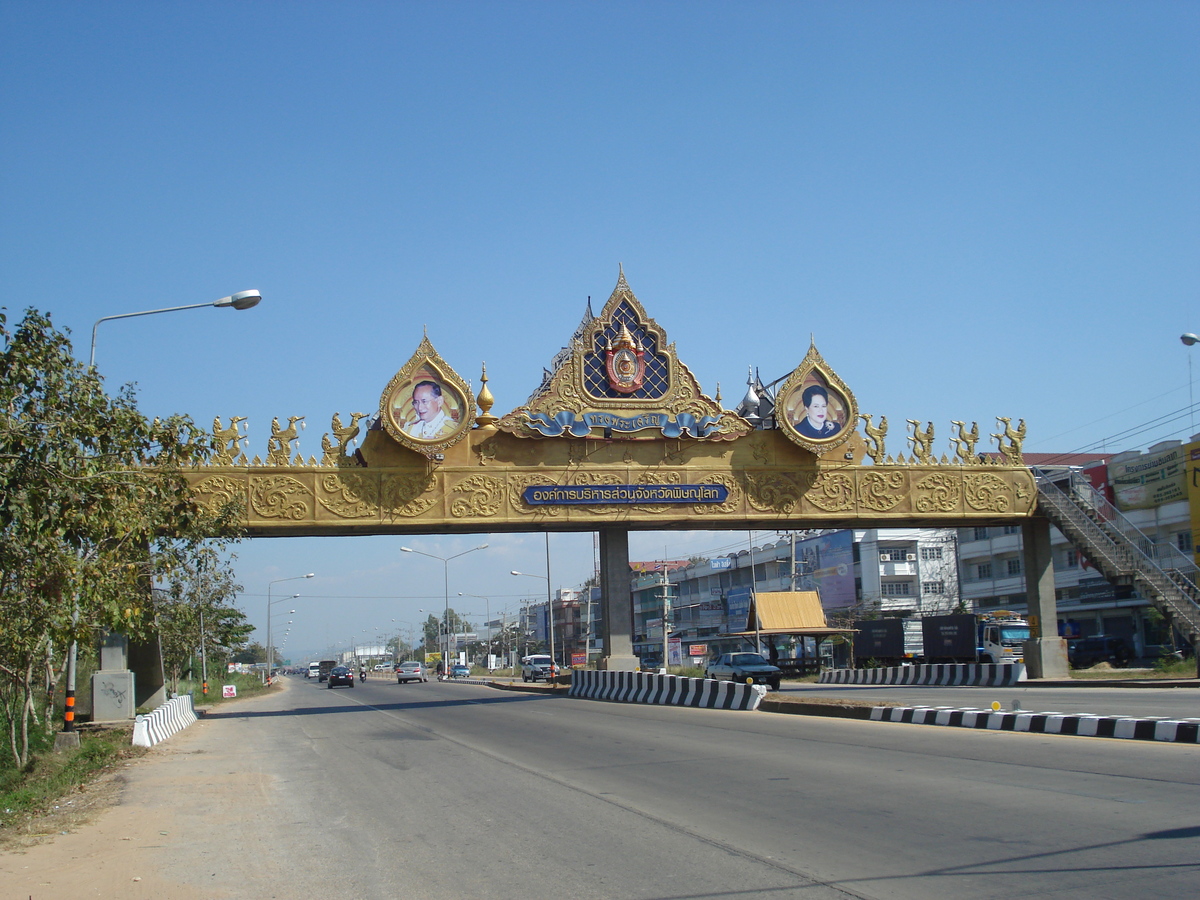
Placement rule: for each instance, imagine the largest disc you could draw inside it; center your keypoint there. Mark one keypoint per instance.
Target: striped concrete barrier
(667, 690)
(1176, 731)
(174, 715)
(984, 674)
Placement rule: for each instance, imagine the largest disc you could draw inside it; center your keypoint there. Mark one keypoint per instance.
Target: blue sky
(976, 209)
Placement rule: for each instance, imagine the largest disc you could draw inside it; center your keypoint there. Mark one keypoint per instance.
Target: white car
(411, 671)
(538, 668)
(381, 667)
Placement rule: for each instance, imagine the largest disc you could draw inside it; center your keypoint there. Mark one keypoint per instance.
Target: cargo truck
(326, 666)
(997, 637)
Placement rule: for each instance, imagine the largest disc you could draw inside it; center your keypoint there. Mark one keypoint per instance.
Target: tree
(194, 612)
(93, 508)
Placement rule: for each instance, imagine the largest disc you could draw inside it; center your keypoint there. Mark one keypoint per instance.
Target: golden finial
(485, 400)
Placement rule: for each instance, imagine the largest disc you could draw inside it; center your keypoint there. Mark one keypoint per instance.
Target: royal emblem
(625, 362)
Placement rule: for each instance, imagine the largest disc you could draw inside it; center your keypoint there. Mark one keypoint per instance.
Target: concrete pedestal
(113, 698)
(1047, 658)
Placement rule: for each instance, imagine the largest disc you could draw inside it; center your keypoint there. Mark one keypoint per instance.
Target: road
(456, 790)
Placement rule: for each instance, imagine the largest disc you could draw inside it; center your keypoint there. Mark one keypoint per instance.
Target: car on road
(745, 668)
(341, 675)
(411, 671)
(460, 671)
(381, 667)
(313, 670)
(538, 668)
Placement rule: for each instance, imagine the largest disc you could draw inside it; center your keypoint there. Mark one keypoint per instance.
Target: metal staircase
(1121, 552)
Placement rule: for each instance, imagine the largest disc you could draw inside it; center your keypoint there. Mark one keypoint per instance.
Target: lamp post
(487, 620)
(1190, 340)
(240, 300)
(549, 596)
(270, 602)
(445, 561)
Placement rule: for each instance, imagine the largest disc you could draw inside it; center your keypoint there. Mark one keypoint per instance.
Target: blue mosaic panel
(658, 373)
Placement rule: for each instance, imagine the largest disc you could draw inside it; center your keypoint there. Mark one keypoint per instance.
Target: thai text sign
(566, 422)
(584, 494)
(1150, 480)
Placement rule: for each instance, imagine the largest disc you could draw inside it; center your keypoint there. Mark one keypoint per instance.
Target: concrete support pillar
(617, 601)
(1046, 652)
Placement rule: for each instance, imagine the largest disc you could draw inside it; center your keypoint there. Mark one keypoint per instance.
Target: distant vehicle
(381, 667)
(1083, 653)
(411, 671)
(460, 671)
(538, 668)
(340, 675)
(746, 668)
(313, 671)
(326, 666)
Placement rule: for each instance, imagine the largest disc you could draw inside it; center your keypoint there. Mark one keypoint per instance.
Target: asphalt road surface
(462, 791)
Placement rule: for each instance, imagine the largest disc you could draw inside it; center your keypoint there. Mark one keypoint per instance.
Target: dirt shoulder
(126, 833)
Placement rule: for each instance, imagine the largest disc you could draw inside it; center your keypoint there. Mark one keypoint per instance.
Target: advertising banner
(1150, 480)
(826, 564)
(674, 652)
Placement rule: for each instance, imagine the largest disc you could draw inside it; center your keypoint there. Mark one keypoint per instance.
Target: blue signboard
(585, 494)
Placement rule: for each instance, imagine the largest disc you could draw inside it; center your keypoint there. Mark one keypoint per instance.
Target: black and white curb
(666, 690)
(980, 674)
(1176, 731)
(174, 715)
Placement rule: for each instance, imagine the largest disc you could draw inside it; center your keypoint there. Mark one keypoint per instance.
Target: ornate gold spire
(485, 400)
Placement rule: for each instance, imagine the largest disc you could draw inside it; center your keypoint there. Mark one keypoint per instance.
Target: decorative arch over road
(618, 436)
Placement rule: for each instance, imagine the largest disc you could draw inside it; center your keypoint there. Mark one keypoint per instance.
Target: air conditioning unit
(911, 557)
(885, 557)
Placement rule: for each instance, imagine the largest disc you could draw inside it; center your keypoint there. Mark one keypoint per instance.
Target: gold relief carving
(875, 439)
(336, 455)
(226, 441)
(986, 492)
(279, 497)
(832, 492)
(486, 450)
(279, 444)
(516, 493)
(776, 491)
(406, 495)
(882, 491)
(732, 502)
(479, 496)
(760, 451)
(217, 491)
(964, 444)
(1011, 452)
(940, 492)
(350, 495)
(922, 442)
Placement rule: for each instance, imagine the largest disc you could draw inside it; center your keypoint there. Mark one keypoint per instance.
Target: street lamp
(549, 597)
(487, 608)
(445, 561)
(1190, 340)
(270, 603)
(240, 300)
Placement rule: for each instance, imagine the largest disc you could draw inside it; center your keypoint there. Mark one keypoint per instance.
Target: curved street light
(445, 561)
(240, 300)
(270, 603)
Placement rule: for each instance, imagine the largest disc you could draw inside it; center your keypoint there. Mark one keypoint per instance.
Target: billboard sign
(826, 564)
(1150, 480)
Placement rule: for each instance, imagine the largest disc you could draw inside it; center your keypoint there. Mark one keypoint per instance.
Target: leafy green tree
(194, 612)
(93, 509)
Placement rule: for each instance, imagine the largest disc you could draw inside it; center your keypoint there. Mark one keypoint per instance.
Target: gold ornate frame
(457, 401)
(813, 370)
